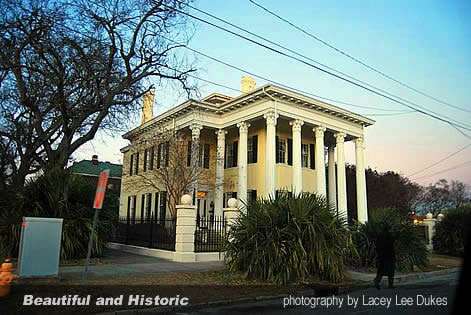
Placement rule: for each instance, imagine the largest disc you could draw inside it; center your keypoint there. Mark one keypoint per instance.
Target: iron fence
(147, 232)
(210, 234)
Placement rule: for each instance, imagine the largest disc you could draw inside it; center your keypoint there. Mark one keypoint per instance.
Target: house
(265, 140)
(91, 169)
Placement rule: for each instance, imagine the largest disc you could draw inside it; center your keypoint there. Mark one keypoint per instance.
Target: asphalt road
(415, 297)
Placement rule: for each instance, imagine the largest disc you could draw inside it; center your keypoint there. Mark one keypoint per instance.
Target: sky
(425, 44)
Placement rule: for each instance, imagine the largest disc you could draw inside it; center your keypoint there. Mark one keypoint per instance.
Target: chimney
(95, 159)
(147, 106)
(247, 84)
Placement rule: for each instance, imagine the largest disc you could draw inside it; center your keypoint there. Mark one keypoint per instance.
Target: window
(280, 150)
(143, 203)
(231, 155)
(162, 154)
(311, 157)
(204, 150)
(252, 149)
(163, 207)
(131, 214)
(151, 158)
(146, 158)
(134, 164)
(148, 205)
(304, 155)
(251, 195)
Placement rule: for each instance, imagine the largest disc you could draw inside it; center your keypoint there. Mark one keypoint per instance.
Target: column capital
(243, 127)
(319, 131)
(271, 117)
(359, 142)
(296, 124)
(195, 130)
(340, 137)
(221, 134)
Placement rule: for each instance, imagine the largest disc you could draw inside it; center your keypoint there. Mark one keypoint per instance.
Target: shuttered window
(290, 151)
(252, 149)
(312, 155)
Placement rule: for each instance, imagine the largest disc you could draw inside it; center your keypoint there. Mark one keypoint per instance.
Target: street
(414, 297)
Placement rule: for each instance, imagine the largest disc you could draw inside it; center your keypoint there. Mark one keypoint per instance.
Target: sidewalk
(403, 278)
(122, 263)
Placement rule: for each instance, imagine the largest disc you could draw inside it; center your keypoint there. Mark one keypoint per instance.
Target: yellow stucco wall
(256, 171)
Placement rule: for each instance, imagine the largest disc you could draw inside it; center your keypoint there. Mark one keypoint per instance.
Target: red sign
(100, 189)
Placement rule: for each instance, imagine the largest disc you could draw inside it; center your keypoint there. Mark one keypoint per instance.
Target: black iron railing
(147, 232)
(210, 234)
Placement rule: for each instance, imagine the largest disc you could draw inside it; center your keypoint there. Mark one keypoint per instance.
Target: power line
(356, 59)
(468, 163)
(429, 113)
(438, 162)
(278, 83)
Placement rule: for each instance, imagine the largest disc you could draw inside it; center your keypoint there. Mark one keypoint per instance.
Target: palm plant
(61, 194)
(288, 238)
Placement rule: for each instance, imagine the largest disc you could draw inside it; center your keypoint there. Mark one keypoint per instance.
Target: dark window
(188, 156)
(151, 158)
(204, 151)
(290, 151)
(251, 196)
(146, 158)
(304, 155)
(148, 205)
(231, 154)
(312, 155)
(156, 206)
(131, 164)
(163, 206)
(133, 208)
(128, 214)
(280, 150)
(143, 203)
(252, 149)
(136, 163)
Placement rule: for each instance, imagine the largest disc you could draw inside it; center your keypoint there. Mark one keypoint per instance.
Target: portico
(270, 139)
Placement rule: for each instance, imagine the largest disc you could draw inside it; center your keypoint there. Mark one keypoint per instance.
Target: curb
(423, 275)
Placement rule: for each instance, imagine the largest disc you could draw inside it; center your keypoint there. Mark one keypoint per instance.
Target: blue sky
(425, 44)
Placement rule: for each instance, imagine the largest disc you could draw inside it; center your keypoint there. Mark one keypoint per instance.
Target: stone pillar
(221, 146)
(242, 161)
(320, 160)
(341, 176)
(195, 143)
(362, 207)
(331, 177)
(231, 213)
(185, 230)
(270, 154)
(297, 167)
(430, 224)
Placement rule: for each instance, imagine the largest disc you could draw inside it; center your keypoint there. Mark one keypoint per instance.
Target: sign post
(97, 205)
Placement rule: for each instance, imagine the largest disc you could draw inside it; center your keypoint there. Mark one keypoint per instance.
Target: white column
(195, 142)
(320, 160)
(331, 177)
(297, 168)
(242, 161)
(221, 148)
(341, 178)
(362, 209)
(270, 154)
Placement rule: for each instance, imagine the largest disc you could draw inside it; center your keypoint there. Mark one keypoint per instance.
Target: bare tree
(443, 195)
(70, 68)
(168, 166)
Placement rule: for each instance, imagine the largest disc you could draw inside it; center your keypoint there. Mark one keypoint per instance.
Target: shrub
(450, 233)
(288, 239)
(410, 244)
(60, 194)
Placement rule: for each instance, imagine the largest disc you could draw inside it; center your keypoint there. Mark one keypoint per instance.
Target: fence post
(185, 230)
(231, 213)
(430, 223)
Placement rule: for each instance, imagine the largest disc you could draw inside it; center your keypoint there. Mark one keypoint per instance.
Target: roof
(86, 167)
(244, 100)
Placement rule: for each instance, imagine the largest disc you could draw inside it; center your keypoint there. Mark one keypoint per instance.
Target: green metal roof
(87, 167)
